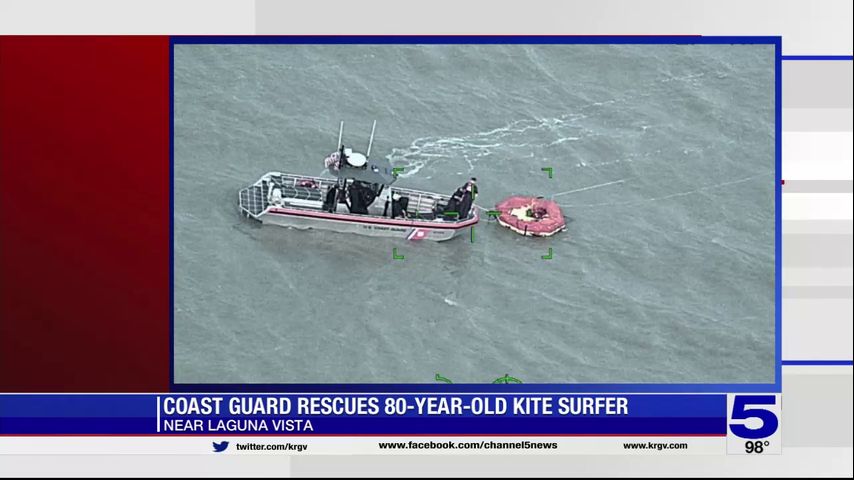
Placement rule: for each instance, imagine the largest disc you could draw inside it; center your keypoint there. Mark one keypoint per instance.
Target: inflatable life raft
(531, 216)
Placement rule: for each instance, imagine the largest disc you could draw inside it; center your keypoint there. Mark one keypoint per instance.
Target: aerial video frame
(331, 309)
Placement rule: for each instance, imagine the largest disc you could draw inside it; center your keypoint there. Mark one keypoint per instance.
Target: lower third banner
(364, 414)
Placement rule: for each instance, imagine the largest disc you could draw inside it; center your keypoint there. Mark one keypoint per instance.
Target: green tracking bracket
(507, 379)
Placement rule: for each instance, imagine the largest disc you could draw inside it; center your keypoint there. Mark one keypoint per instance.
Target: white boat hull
(302, 207)
(410, 230)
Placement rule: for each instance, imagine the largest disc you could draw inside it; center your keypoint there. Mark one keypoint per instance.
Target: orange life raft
(531, 216)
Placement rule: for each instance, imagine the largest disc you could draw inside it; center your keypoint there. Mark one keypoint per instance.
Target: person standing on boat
(473, 184)
(358, 201)
(453, 203)
(467, 200)
(461, 200)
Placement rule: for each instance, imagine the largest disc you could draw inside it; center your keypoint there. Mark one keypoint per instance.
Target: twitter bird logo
(220, 447)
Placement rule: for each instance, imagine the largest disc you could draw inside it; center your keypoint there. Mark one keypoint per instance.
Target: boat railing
(252, 200)
(426, 202)
(421, 204)
(302, 181)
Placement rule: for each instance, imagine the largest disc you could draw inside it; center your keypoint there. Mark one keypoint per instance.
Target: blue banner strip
(372, 426)
(362, 414)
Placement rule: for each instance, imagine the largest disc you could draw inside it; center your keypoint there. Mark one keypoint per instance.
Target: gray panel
(801, 310)
(818, 227)
(817, 411)
(817, 250)
(818, 186)
(806, 28)
(95, 465)
(817, 120)
(817, 329)
(794, 462)
(829, 291)
(818, 276)
(817, 84)
(810, 463)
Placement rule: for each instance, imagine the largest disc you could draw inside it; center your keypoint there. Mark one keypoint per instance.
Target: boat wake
(524, 138)
(520, 138)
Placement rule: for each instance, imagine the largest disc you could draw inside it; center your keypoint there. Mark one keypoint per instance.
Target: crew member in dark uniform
(473, 183)
(454, 203)
(466, 202)
(357, 198)
(331, 201)
(462, 200)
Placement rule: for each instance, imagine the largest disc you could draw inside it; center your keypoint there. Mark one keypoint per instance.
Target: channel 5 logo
(754, 424)
(746, 407)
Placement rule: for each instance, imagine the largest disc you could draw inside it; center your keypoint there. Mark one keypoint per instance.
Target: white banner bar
(295, 445)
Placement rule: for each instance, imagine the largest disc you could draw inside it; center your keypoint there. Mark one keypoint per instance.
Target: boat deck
(307, 193)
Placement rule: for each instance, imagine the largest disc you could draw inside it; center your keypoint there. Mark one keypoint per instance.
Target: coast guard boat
(360, 199)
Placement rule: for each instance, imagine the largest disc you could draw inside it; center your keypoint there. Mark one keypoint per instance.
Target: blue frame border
(819, 57)
(775, 387)
(820, 363)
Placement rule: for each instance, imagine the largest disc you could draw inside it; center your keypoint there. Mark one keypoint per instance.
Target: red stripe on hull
(332, 216)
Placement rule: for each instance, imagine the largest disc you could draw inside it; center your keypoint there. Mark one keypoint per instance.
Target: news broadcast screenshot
(426, 239)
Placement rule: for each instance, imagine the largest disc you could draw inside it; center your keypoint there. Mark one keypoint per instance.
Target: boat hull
(370, 226)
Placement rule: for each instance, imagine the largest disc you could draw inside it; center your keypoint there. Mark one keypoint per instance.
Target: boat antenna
(340, 147)
(371, 141)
